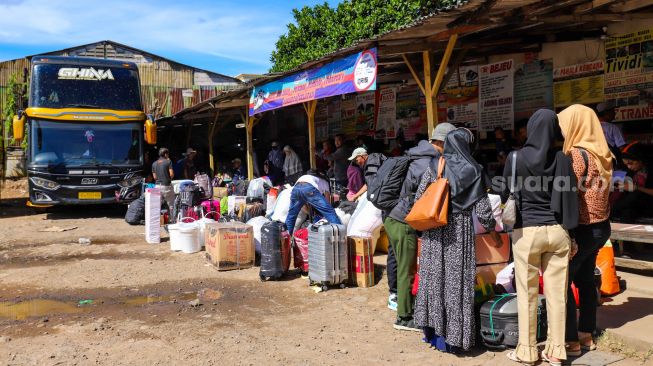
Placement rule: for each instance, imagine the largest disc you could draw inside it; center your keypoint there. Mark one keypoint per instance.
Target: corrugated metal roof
(136, 50)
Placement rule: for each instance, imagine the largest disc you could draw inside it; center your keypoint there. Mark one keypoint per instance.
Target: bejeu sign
(354, 73)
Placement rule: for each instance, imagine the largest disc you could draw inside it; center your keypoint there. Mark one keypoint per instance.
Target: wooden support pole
(431, 103)
(310, 108)
(212, 129)
(431, 89)
(443, 64)
(412, 71)
(249, 121)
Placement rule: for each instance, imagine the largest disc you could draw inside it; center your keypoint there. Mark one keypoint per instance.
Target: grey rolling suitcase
(327, 255)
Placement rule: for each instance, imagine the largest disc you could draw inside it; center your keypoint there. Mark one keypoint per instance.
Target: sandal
(587, 344)
(551, 362)
(512, 355)
(573, 349)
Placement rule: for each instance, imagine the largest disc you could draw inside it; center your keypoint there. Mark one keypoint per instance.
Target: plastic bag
(495, 201)
(605, 262)
(366, 220)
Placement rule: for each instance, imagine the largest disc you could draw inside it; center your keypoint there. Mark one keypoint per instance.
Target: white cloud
(238, 32)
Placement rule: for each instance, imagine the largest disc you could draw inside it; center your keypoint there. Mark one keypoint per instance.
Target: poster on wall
(321, 123)
(629, 74)
(365, 111)
(533, 88)
(350, 74)
(386, 126)
(459, 97)
(408, 111)
(334, 117)
(496, 107)
(581, 83)
(348, 115)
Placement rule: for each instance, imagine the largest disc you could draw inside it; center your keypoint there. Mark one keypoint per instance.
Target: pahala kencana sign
(354, 73)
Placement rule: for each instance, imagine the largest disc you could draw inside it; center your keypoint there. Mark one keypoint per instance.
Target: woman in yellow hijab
(585, 144)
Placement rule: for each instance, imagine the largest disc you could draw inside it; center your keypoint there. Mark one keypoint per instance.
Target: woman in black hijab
(547, 208)
(444, 306)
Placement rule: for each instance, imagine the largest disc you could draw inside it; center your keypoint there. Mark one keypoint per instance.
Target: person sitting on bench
(310, 190)
(636, 196)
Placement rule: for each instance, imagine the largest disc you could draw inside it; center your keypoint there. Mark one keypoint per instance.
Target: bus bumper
(89, 196)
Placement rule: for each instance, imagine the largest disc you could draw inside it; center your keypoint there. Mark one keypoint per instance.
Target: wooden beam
(212, 129)
(455, 63)
(571, 18)
(233, 103)
(630, 5)
(431, 103)
(310, 107)
(249, 129)
(443, 63)
(592, 5)
(412, 71)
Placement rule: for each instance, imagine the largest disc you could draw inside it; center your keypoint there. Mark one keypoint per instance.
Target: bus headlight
(130, 182)
(44, 183)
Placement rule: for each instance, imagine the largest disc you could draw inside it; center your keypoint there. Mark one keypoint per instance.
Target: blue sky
(229, 37)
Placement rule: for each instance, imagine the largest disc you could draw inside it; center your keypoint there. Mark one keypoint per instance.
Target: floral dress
(444, 305)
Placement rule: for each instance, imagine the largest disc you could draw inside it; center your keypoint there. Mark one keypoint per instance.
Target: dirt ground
(121, 301)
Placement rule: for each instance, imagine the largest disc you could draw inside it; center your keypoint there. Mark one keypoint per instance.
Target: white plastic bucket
(201, 223)
(184, 237)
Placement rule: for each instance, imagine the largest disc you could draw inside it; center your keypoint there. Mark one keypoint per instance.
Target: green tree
(322, 29)
(14, 92)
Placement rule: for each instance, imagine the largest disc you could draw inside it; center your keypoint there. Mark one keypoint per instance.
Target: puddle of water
(36, 308)
(42, 307)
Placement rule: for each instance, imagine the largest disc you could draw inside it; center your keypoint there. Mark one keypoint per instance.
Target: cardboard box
(219, 192)
(361, 261)
(488, 253)
(489, 272)
(229, 245)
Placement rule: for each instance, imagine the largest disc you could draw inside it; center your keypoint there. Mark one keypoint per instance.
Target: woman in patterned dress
(444, 306)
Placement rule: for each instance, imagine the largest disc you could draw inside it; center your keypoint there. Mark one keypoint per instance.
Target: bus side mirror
(19, 126)
(150, 131)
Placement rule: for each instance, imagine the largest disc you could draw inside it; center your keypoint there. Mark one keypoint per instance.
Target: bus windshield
(68, 86)
(85, 143)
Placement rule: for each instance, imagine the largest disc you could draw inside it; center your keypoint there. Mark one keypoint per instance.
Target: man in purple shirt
(355, 179)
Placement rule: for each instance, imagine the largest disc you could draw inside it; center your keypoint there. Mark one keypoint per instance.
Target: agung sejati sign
(354, 73)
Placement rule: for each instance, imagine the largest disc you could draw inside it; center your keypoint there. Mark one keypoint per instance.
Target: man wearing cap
(403, 238)
(276, 158)
(358, 157)
(613, 135)
(355, 180)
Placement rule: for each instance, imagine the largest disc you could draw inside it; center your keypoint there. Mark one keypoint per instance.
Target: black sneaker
(406, 324)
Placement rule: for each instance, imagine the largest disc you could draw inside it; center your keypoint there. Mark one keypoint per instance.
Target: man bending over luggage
(310, 190)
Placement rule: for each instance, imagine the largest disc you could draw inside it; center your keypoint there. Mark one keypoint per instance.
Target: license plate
(89, 195)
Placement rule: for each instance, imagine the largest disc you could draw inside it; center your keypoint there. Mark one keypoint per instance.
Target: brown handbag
(432, 208)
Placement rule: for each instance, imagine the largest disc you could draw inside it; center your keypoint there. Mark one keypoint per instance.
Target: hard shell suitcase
(300, 249)
(211, 208)
(499, 325)
(327, 254)
(275, 250)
